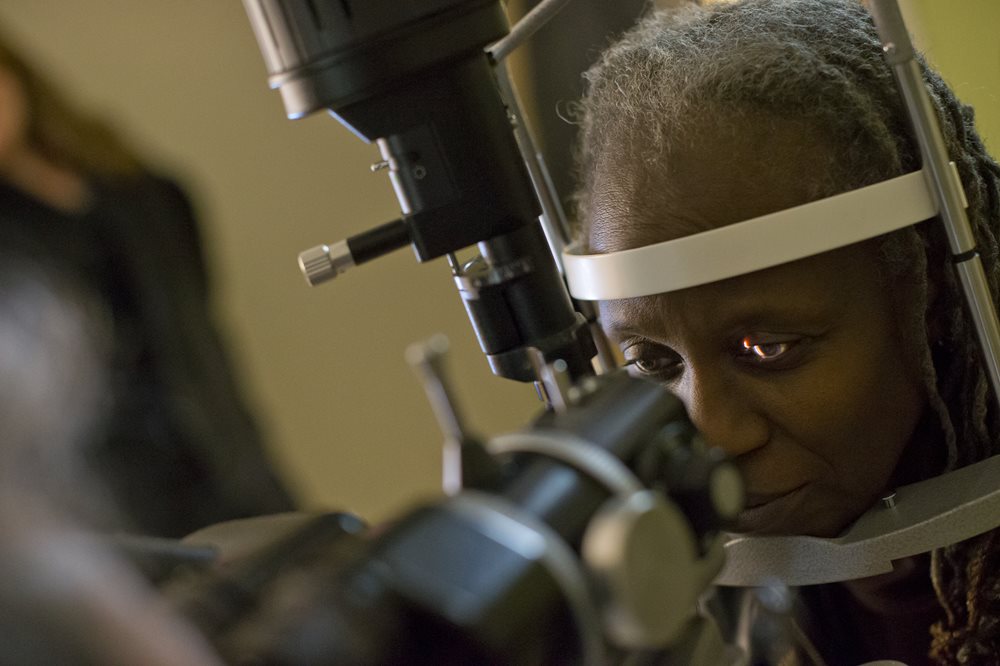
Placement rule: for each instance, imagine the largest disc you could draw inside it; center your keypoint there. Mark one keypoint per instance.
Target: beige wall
(324, 367)
(959, 38)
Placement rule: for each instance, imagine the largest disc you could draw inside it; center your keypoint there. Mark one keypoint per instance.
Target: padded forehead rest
(752, 245)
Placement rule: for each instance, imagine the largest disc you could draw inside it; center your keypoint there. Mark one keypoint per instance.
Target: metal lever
(427, 359)
(465, 461)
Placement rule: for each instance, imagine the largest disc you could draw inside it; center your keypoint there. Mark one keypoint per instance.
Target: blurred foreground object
(553, 559)
(65, 597)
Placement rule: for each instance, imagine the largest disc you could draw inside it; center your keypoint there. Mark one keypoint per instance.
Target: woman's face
(796, 371)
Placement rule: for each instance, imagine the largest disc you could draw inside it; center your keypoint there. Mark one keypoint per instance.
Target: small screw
(419, 172)
(379, 166)
(889, 501)
(889, 49)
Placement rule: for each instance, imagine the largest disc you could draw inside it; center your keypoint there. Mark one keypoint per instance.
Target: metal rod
(900, 55)
(553, 218)
(525, 28)
(427, 360)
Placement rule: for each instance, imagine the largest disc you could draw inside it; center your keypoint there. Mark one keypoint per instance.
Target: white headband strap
(752, 245)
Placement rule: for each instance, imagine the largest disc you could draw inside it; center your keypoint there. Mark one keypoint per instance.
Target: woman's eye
(657, 365)
(765, 350)
(648, 366)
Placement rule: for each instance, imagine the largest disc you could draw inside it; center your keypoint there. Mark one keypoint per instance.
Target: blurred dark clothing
(178, 449)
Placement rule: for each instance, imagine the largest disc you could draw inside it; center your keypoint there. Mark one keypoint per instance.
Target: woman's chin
(791, 515)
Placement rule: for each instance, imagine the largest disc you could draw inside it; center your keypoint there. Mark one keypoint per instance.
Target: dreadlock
(820, 62)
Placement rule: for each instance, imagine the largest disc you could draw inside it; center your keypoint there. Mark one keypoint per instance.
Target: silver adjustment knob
(325, 262)
(645, 603)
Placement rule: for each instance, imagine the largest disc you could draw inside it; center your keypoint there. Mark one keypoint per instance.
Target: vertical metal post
(947, 192)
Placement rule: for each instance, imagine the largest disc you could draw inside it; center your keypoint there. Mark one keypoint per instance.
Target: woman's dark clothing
(179, 449)
(848, 631)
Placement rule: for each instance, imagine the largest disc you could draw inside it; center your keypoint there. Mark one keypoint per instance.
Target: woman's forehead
(706, 183)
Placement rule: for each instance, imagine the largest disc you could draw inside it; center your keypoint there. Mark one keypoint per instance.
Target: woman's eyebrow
(621, 336)
(629, 326)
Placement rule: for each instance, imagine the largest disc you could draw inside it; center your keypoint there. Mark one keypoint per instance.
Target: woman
(833, 378)
(177, 448)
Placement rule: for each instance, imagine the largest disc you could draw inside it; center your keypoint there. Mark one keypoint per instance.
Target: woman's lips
(768, 512)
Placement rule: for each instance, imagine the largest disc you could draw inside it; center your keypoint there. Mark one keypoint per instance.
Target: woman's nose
(725, 417)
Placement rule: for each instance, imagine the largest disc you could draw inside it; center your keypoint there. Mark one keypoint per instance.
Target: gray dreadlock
(820, 62)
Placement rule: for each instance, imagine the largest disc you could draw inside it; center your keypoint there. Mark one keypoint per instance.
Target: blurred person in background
(177, 448)
(66, 597)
